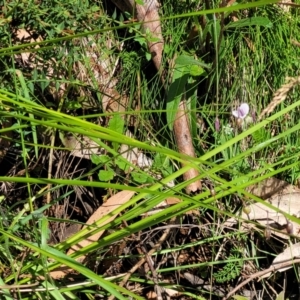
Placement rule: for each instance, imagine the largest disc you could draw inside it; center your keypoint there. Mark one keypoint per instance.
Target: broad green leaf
(116, 124)
(106, 175)
(100, 159)
(176, 90)
(121, 163)
(184, 66)
(95, 159)
(187, 60)
(196, 70)
(138, 177)
(259, 21)
(148, 56)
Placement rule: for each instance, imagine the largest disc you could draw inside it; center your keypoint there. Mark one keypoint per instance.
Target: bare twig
(273, 268)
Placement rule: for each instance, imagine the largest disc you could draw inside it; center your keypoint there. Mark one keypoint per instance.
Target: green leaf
(72, 105)
(184, 66)
(259, 21)
(159, 160)
(176, 91)
(106, 175)
(196, 70)
(187, 60)
(148, 56)
(116, 124)
(26, 94)
(121, 163)
(45, 232)
(138, 177)
(100, 159)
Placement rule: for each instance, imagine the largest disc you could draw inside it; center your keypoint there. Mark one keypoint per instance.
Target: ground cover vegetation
(100, 198)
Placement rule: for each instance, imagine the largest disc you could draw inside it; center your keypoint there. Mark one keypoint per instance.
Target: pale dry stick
(261, 273)
(280, 95)
(143, 260)
(17, 286)
(50, 166)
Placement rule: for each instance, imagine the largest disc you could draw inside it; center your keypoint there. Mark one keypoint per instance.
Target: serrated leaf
(258, 21)
(106, 175)
(167, 171)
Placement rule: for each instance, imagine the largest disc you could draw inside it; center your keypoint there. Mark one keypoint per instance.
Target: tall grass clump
(87, 130)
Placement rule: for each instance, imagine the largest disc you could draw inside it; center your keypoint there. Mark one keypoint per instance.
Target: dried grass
(280, 95)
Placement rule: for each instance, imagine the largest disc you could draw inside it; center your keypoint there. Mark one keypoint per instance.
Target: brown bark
(185, 145)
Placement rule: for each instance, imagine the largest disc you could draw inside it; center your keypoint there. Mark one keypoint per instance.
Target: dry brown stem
(185, 145)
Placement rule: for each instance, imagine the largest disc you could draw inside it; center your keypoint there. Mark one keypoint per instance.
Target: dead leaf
(288, 254)
(166, 203)
(105, 209)
(271, 186)
(151, 295)
(285, 197)
(162, 205)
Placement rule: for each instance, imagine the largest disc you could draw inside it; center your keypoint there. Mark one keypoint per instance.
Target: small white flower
(242, 111)
(228, 129)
